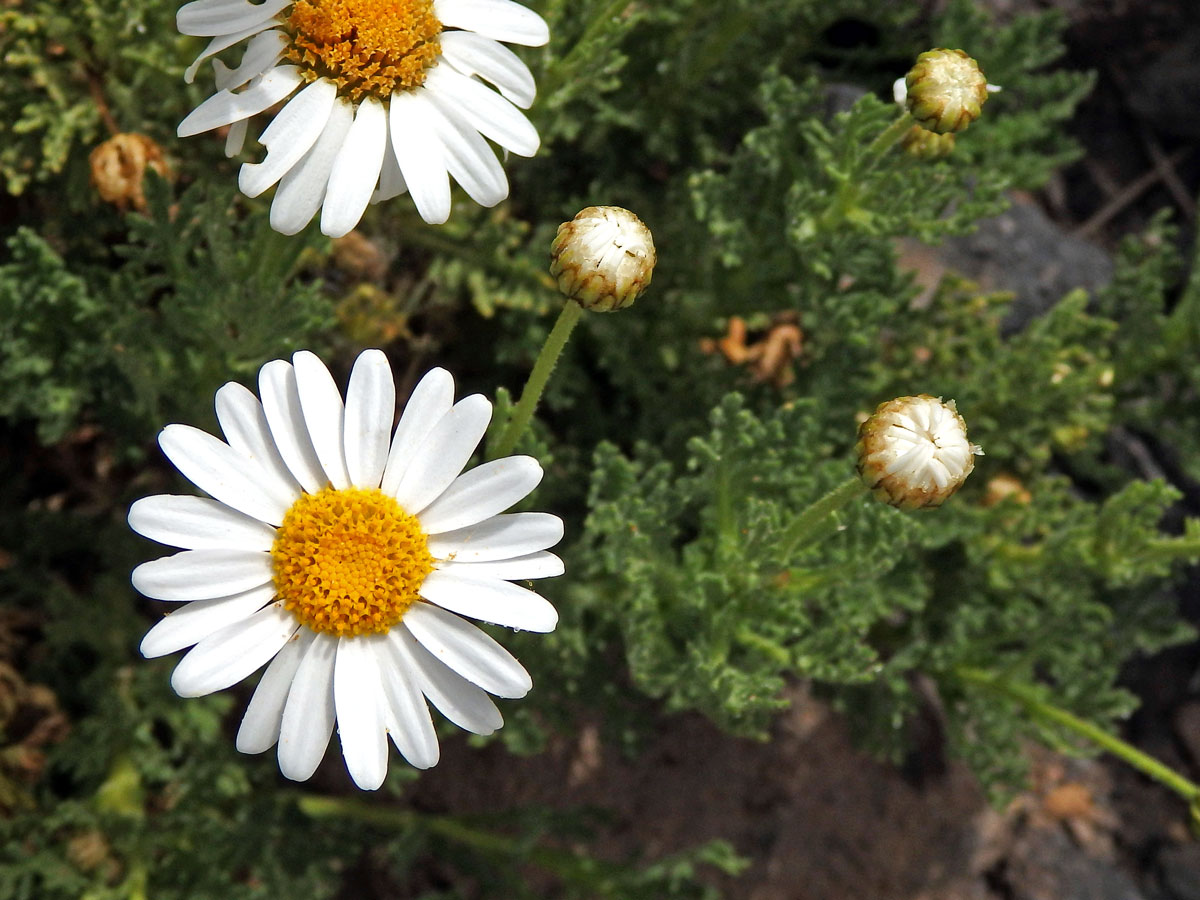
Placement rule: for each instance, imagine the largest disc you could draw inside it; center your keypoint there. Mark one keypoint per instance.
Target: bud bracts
(945, 90)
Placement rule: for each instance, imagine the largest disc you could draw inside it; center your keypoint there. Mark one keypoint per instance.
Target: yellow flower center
(349, 561)
(366, 47)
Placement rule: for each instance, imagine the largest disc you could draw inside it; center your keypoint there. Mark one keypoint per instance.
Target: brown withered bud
(119, 166)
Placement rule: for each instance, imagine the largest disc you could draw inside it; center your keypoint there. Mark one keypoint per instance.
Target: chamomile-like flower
(385, 96)
(347, 559)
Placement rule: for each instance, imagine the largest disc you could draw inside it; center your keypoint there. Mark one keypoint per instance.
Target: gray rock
(1046, 865)
(1179, 870)
(1022, 251)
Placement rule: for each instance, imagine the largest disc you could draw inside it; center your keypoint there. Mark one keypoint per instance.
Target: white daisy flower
(386, 96)
(347, 557)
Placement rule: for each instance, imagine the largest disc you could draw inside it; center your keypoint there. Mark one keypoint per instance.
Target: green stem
(849, 192)
(885, 140)
(536, 383)
(1185, 547)
(815, 518)
(319, 807)
(1027, 698)
(564, 863)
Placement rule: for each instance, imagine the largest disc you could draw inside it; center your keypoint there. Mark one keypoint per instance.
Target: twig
(1126, 196)
(1167, 172)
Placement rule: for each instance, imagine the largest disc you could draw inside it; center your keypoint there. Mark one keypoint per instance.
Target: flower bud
(119, 165)
(913, 452)
(603, 258)
(945, 90)
(922, 144)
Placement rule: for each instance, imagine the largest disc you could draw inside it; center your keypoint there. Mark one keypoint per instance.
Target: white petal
(481, 493)
(467, 706)
(358, 699)
(290, 135)
(355, 170)
(225, 107)
(469, 159)
(197, 523)
(324, 415)
(260, 725)
(474, 54)
(222, 472)
(489, 600)
(499, 537)
(542, 564)
(210, 17)
(244, 425)
(444, 453)
(370, 409)
(420, 155)
(236, 139)
(391, 179)
(203, 574)
(194, 622)
(308, 714)
(430, 400)
(502, 20)
(408, 719)
(261, 53)
(467, 650)
(227, 656)
(302, 189)
(483, 109)
(223, 42)
(281, 405)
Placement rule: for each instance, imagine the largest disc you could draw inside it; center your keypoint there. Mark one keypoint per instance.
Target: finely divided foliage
(676, 441)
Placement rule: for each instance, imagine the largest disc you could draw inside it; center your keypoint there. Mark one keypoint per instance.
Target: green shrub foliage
(747, 140)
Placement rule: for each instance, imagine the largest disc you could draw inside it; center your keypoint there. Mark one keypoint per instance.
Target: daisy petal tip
(426, 760)
(368, 780)
(544, 625)
(149, 647)
(138, 577)
(294, 772)
(183, 685)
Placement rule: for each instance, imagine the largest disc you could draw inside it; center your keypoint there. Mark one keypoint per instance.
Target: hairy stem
(536, 383)
(1027, 697)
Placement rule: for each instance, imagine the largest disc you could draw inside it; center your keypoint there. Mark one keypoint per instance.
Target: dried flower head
(913, 452)
(603, 258)
(119, 165)
(945, 90)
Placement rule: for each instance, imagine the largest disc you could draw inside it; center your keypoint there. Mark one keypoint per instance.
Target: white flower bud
(914, 453)
(603, 258)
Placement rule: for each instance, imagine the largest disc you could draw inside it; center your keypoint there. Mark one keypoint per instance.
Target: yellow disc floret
(366, 47)
(349, 561)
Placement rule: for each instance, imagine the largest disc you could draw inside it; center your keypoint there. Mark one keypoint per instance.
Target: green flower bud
(945, 90)
(913, 452)
(603, 258)
(927, 144)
